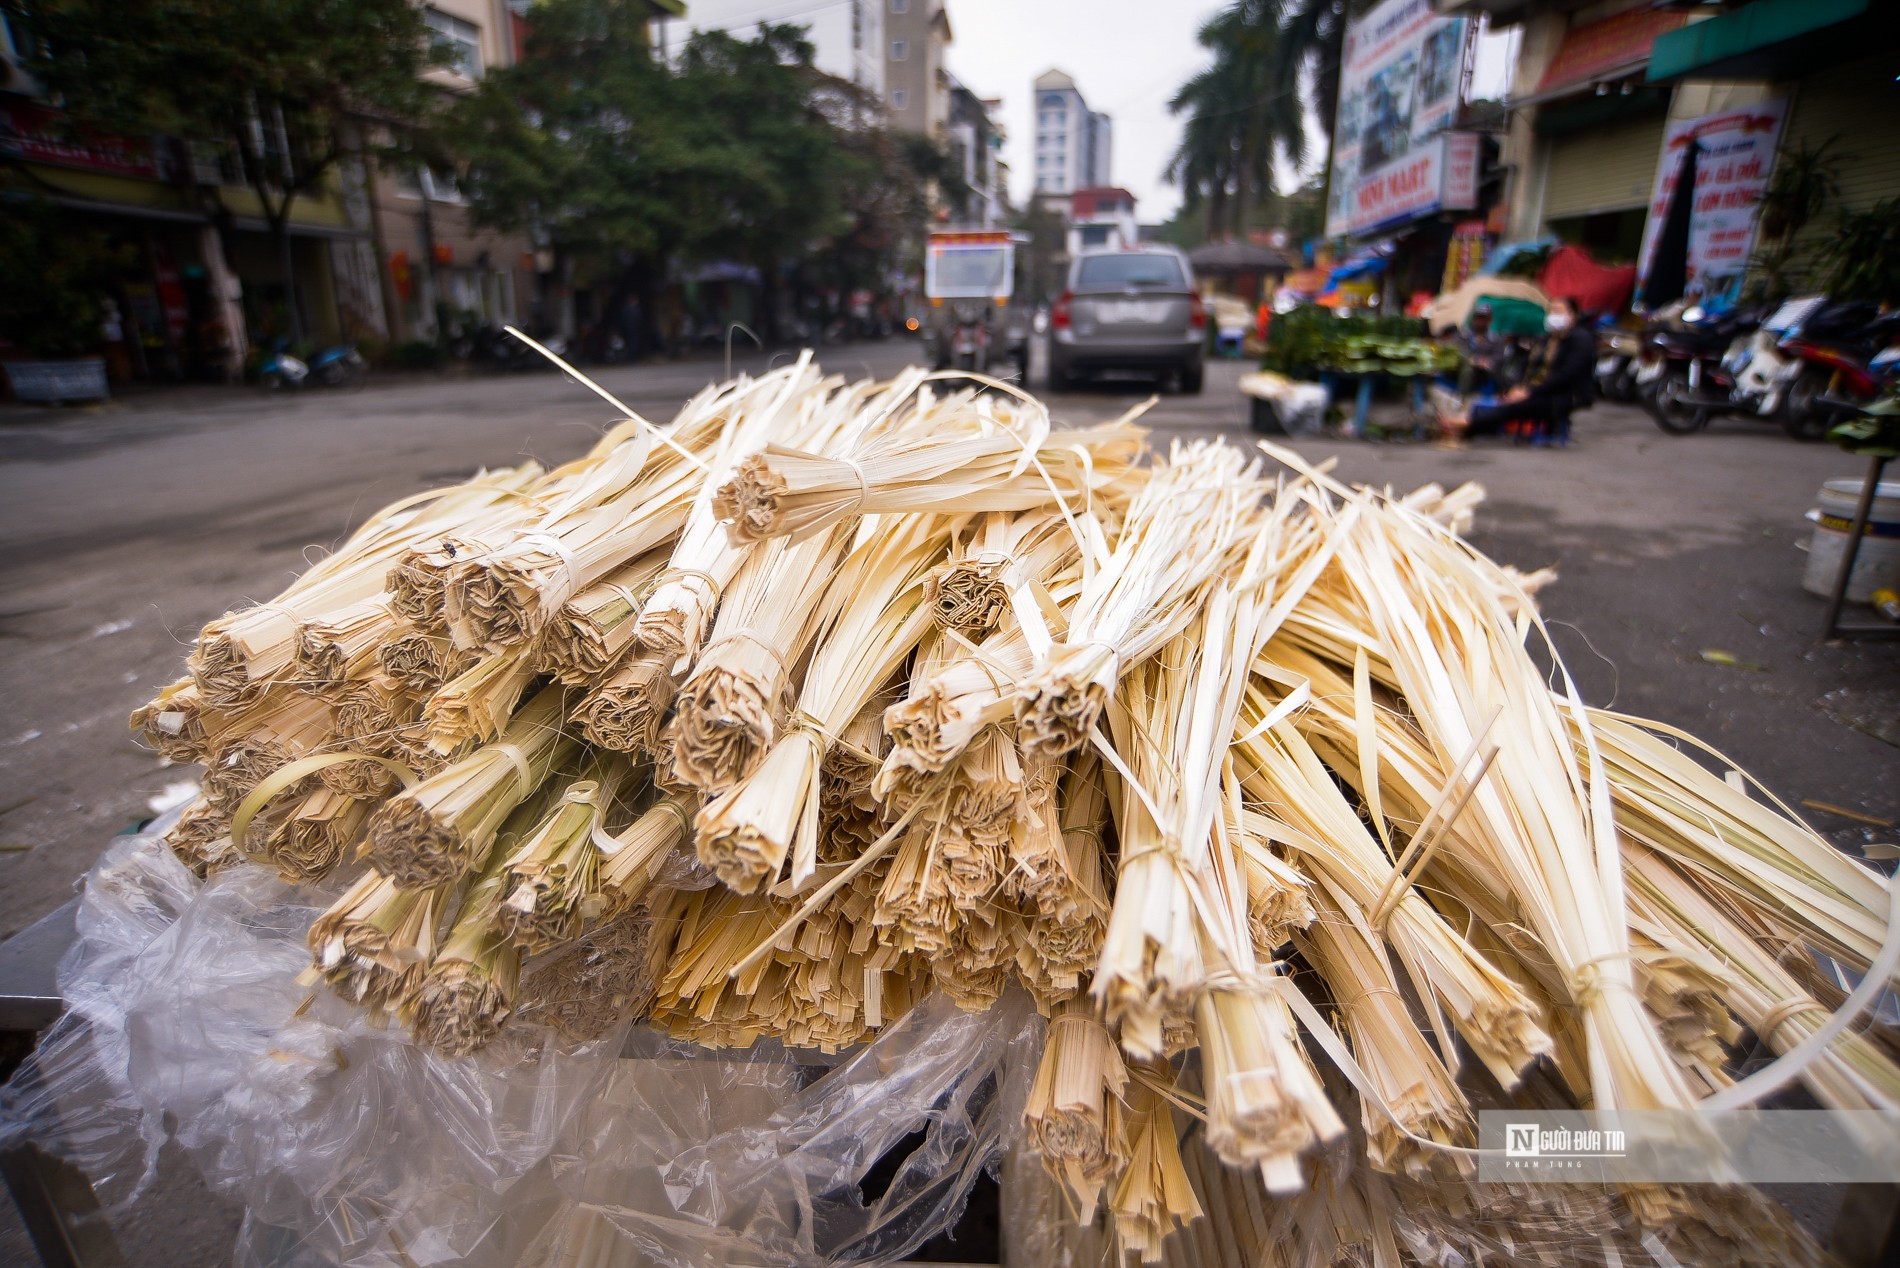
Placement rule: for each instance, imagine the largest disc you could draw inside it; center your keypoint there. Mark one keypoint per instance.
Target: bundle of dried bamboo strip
(441, 828)
(730, 709)
(241, 653)
(1335, 818)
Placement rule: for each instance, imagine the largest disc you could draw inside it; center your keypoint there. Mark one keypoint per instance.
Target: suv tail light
(1059, 314)
(1197, 313)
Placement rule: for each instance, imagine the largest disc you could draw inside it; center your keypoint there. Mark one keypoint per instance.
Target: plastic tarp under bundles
(1597, 288)
(348, 1143)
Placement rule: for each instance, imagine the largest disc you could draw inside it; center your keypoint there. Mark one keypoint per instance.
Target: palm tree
(1249, 106)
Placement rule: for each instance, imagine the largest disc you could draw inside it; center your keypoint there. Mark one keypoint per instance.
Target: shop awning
(1776, 39)
(1606, 50)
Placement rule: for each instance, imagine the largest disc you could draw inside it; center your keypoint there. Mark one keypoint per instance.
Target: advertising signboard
(1400, 75)
(1439, 173)
(1732, 167)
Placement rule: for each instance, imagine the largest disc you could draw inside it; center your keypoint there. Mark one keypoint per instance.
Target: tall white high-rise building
(1074, 144)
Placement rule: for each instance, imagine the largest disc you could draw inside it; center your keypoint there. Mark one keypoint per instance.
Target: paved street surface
(124, 528)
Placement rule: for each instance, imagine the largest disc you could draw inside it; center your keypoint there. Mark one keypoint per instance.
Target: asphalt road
(124, 528)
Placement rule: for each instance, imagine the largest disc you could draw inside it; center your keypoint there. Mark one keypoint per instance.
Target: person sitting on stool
(1557, 382)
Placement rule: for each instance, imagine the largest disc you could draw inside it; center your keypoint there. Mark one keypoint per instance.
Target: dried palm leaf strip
(850, 815)
(1853, 1074)
(443, 827)
(474, 706)
(1178, 533)
(630, 499)
(951, 460)
(1169, 742)
(1542, 820)
(553, 878)
(1074, 1115)
(202, 838)
(875, 616)
(1303, 810)
(730, 710)
(341, 647)
(1154, 1196)
(1417, 1085)
(310, 841)
(296, 727)
(1759, 853)
(626, 711)
(460, 1003)
(376, 939)
(961, 688)
(813, 991)
(240, 653)
(970, 592)
(422, 661)
(641, 851)
(377, 716)
(595, 628)
(183, 728)
(790, 406)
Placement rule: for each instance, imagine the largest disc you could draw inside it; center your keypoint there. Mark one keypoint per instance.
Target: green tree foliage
(52, 278)
(282, 86)
(741, 150)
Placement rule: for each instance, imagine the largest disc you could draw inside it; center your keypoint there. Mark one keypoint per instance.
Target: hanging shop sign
(38, 134)
(1619, 42)
(1401, 73)
(1737, 152)
(1439, 174)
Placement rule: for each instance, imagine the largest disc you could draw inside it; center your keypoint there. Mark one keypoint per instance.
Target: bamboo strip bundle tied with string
(1270, 792)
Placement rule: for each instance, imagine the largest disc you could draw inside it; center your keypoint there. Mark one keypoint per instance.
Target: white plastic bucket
(1878, 564)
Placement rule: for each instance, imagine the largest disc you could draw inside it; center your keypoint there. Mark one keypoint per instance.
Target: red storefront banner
(1595, 47)
(36, 134)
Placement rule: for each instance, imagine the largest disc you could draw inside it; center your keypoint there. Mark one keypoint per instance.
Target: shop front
(192, 279)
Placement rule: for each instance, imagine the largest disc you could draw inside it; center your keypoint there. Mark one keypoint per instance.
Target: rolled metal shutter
(1609, 168)
(1857, 104)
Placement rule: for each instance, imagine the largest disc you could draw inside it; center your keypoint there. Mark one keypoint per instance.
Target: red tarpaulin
(1597, 288)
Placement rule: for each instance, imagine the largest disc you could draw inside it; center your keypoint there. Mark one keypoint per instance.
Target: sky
(1127, 57)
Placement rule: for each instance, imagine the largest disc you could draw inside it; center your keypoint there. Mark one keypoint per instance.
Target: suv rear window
(1117, 272)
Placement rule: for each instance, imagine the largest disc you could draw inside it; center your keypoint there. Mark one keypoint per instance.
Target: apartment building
(1074, 144)
(916, 85)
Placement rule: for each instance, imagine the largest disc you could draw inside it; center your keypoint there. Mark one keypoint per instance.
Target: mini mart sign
(1440, 174)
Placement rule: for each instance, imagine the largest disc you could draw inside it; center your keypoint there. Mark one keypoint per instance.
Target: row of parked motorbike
(1804, 364)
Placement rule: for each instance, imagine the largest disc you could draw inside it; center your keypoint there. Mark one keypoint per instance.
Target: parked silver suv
(1128, 309)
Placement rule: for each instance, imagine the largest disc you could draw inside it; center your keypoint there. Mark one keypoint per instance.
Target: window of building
(900, 49)
(900, 6)
(899, 98)
(1094, 235)
(462, 39)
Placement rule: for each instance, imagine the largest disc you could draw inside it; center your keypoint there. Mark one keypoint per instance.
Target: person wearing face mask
(1557, 382)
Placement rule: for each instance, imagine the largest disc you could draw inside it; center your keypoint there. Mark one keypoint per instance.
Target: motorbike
(1834, 367)
(1686, 376)
(342, 366)
(965, 341)
(1619, 354)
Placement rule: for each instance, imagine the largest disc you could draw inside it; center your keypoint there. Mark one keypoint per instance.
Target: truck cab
(972, 320)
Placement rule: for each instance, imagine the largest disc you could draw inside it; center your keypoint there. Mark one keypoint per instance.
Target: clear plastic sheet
(351, 1144)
